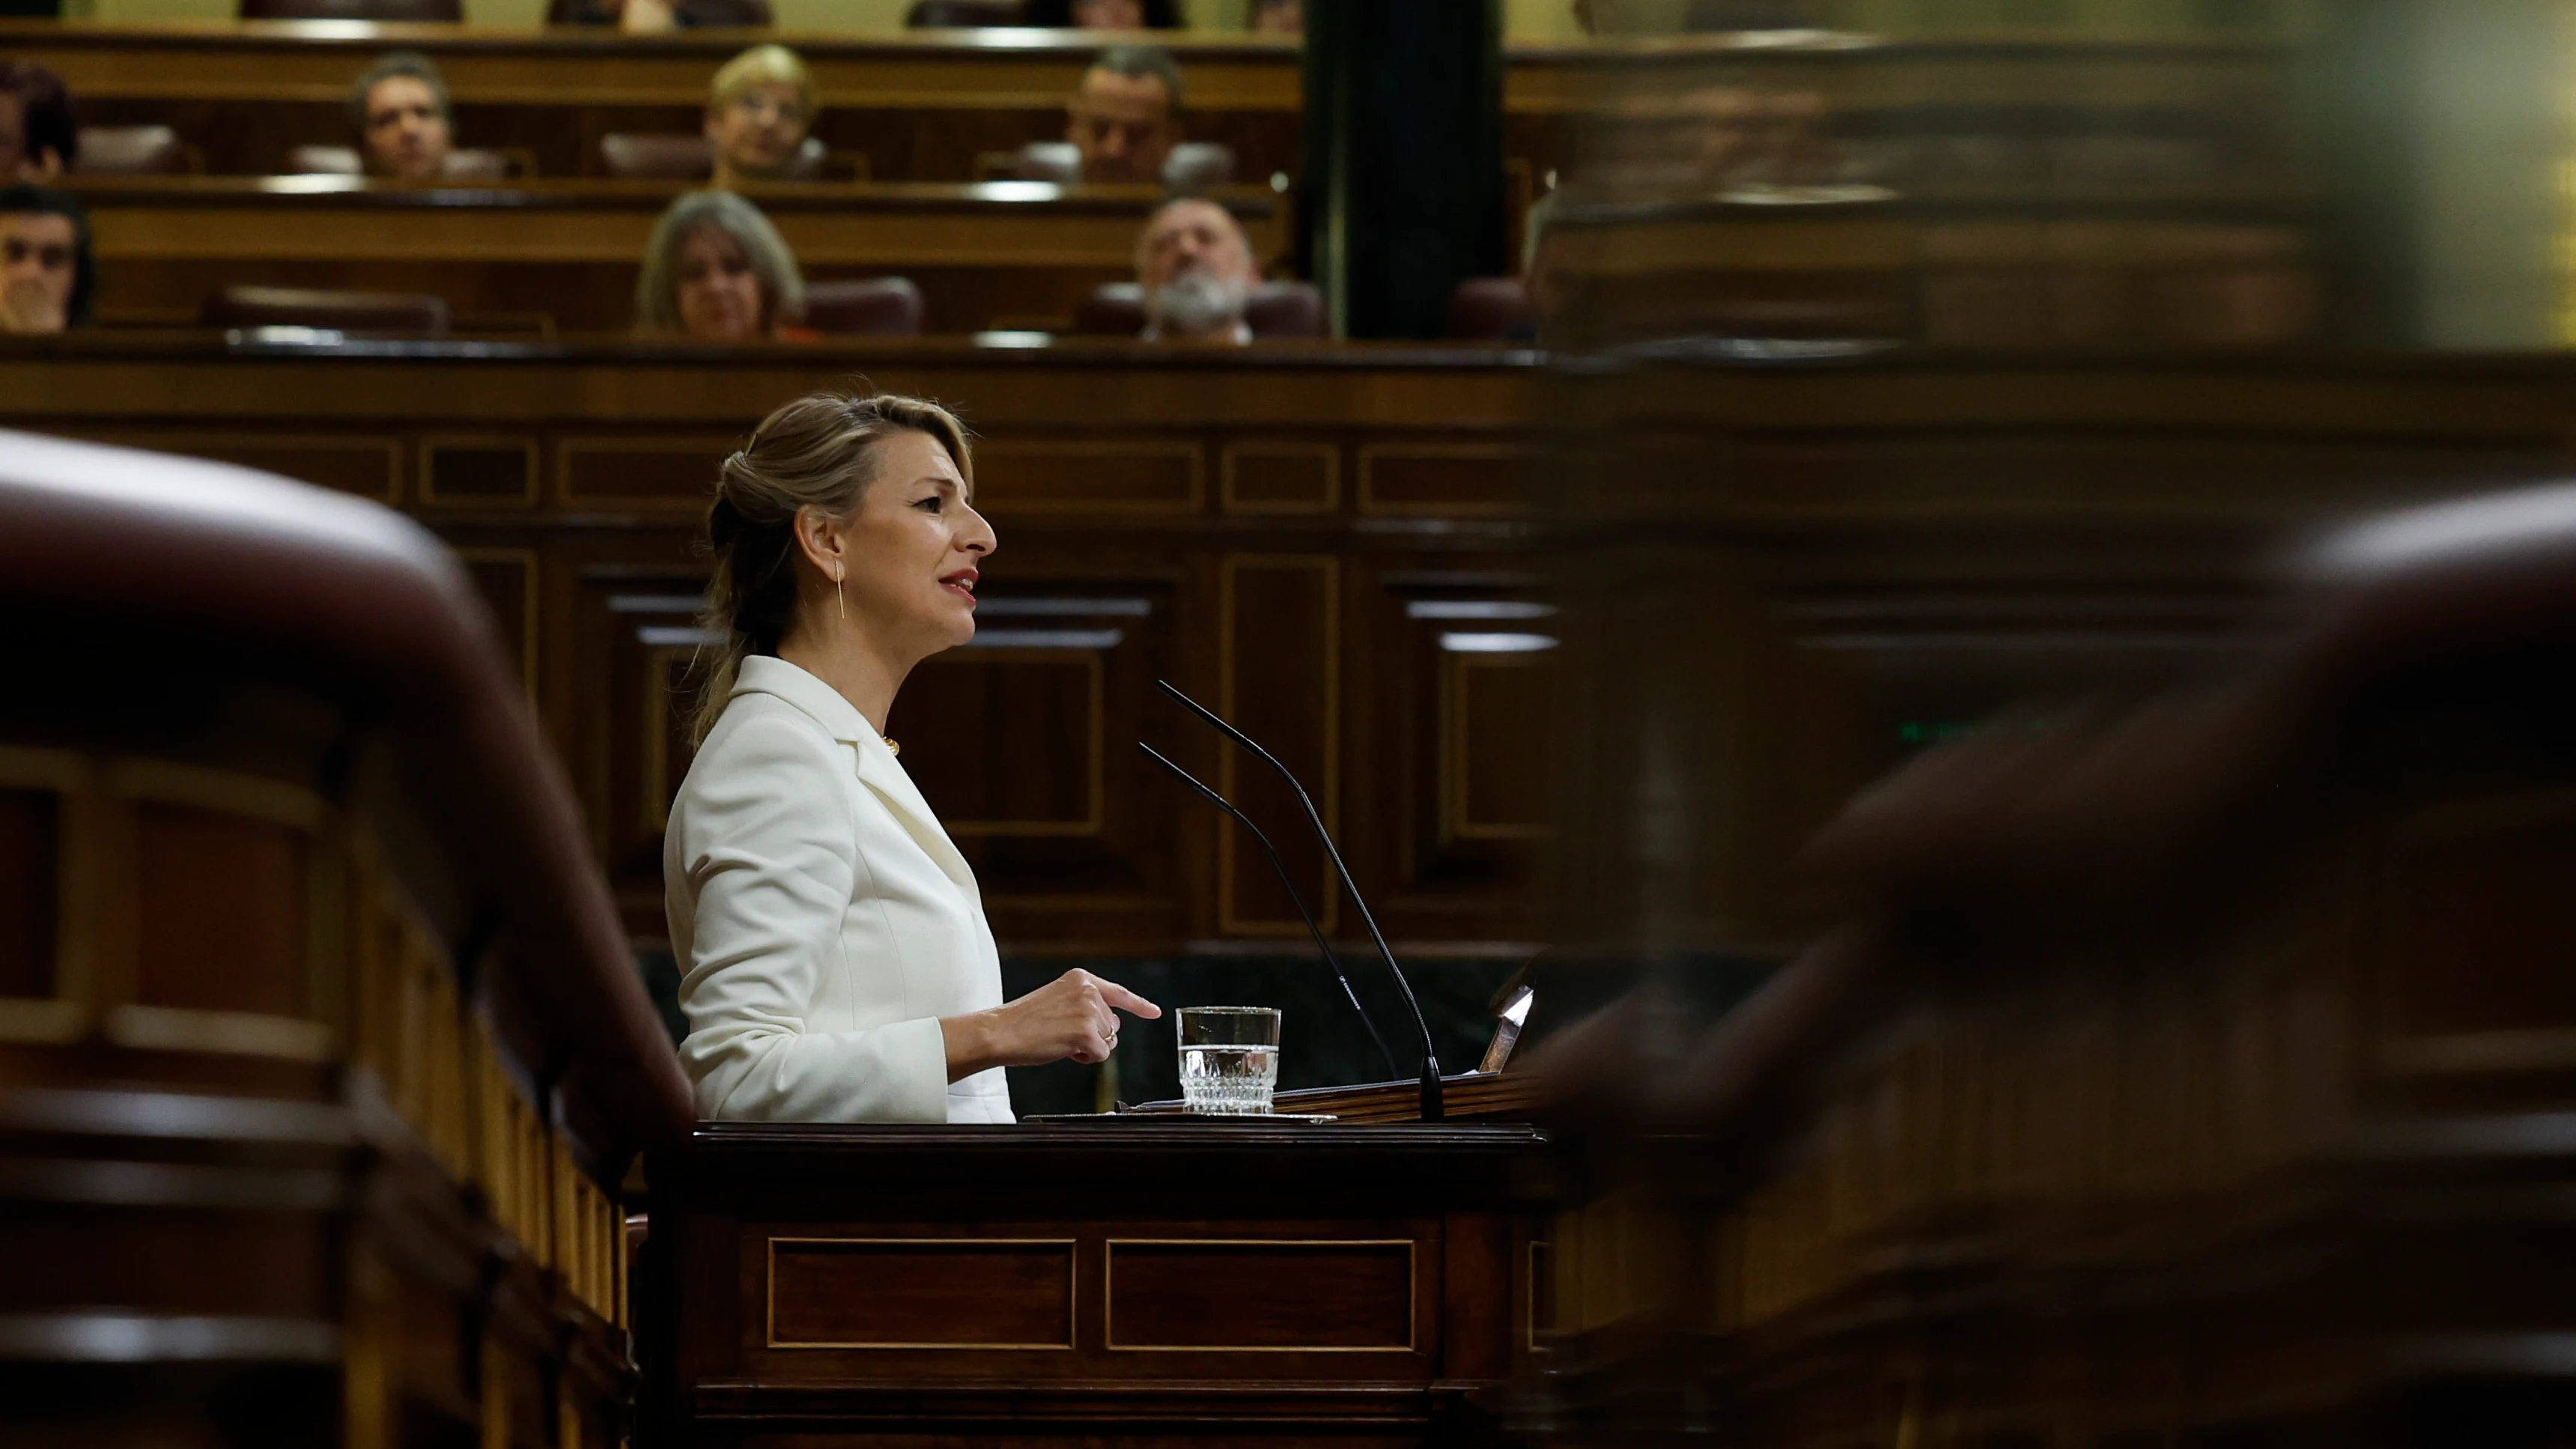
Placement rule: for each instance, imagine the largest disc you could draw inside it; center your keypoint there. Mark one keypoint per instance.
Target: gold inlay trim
(665, 706)
(67, 775)
(431, 445)
(1457, 745)
(1327, 695)
(1507, 459)
(1095, 741)
(1158, 450)
(1072, 1290)
(230, 448)
(1412, 1295)
(526, 560)
(1232, 502)
(713, 448)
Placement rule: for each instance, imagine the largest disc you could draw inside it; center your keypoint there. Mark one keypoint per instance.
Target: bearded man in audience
(1125, 115)
(1197, 273)
(38, 140)
(400, 107)
(46, 274)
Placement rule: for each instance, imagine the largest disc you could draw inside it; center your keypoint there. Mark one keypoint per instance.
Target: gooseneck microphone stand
(1431, 1091)
(1294, 899)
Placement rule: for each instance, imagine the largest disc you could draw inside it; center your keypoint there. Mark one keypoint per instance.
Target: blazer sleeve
(772, 856)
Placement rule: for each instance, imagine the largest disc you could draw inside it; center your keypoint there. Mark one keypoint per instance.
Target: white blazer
(823, 920)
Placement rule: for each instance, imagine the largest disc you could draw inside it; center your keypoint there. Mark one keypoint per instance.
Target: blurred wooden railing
(2180, 1073)
(321, 1058)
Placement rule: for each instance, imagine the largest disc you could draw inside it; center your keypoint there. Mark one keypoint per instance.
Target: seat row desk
(923, 106)
(564, 254)
(1954, 265)
(931, 106)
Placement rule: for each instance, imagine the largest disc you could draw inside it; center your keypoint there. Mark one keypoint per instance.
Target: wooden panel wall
(1364, 511)
(1327, 547)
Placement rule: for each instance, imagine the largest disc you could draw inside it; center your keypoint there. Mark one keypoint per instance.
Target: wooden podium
(1175, 1279)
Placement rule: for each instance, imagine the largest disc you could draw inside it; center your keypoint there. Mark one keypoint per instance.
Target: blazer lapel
(879, 771)
(877, 767)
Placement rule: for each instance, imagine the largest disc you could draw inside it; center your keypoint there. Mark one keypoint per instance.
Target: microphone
(1431, 1105)
(1294, 899)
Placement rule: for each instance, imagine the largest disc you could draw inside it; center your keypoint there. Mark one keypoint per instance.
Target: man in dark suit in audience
(1125, 115)
(46, 274)
(400, 107)
(1197, 272)
(38, 139)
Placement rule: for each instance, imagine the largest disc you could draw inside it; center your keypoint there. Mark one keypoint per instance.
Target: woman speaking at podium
(837, 962)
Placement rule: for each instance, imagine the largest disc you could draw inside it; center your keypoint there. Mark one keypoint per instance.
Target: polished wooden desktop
(564, 254)
(1184, 1282)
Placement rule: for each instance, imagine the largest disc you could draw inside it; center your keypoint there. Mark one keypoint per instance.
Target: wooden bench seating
(940, 107)
(915, 107)
(1000, 253)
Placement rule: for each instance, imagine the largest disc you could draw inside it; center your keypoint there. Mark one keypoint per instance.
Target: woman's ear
(819, 536)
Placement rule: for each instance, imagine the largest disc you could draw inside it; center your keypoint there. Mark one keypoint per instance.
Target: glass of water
(1229, 1059)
